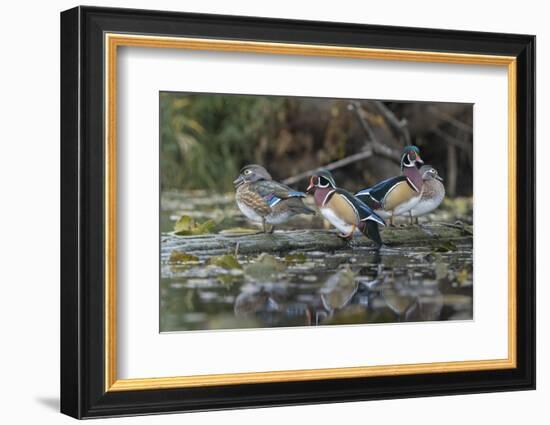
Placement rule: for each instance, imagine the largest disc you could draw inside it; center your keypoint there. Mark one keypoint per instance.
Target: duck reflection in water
(348, 296)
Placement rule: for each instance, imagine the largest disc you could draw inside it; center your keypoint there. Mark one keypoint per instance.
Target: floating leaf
(186, 226)
(183, 224)
(299, 258)
(445, 246)
(226, 261)
(182, 258)
(205, 227)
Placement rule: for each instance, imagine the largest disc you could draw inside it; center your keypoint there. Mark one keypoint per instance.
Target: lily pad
(226, 261)
(178, 257)
(186, 226)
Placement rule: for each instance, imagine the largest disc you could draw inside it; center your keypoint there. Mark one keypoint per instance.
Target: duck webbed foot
(413, 220)
(267, 229)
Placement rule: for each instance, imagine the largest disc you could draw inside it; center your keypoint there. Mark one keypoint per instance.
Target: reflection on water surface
(349, 286)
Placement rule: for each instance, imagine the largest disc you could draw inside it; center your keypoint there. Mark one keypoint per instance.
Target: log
(310, 240)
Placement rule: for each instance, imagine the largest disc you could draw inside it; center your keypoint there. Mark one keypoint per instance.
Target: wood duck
(263, 200)
(343, 210)
(397, 195)
(433, 193)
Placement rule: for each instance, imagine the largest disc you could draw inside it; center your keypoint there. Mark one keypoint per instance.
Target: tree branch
(465, 146)
(332, 166)
(371, 147)
(451, 120)
(378, 147)
(401, 126)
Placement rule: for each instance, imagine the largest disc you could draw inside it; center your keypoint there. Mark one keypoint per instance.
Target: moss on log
(310, 240)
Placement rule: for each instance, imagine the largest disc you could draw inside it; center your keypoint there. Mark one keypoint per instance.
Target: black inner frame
(82, 212)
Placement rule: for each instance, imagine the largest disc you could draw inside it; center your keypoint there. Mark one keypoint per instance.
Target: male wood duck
(343, 210)
(397, 195)
(433, 193)
(266, 201)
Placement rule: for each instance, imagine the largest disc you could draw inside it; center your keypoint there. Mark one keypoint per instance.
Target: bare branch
(371, 147)
(332, 166)
(451, 120)
(401, 126)
(356, 107)
(462, 144)
(378, 147)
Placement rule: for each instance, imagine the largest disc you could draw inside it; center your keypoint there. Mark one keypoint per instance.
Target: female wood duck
(433, 193)
(266, 201)
(343, 210)
(397, 195)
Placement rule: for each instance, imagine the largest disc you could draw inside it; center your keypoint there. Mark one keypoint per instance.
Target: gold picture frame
(114, 41)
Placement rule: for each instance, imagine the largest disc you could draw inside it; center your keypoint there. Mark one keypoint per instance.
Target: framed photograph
(261, 212)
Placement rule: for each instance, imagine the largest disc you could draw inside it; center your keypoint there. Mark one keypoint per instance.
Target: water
(350, 286)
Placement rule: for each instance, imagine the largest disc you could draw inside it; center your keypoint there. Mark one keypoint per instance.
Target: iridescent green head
(322, 178)
(411, 157)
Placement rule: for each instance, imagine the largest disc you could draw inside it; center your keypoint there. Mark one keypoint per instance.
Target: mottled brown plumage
(253, 200)
(263, 200)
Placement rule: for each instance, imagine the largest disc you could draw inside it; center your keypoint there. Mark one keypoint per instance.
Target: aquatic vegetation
(177, 257)
(186, 226)
(227, 262)
(224, 285)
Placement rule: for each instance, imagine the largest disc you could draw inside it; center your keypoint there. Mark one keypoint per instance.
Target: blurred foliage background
(207, 138)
